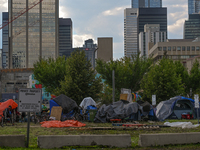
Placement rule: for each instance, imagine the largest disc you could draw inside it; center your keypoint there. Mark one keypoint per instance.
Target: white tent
(87, 102)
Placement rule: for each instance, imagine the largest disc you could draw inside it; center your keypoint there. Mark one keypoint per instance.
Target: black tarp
(117, 110)
(66, 103)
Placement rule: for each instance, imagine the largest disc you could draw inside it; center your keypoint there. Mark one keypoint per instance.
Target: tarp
(52, 103)
(60, 124)
(165, 108)
(6, 104)
(117, 110)
(183, 125)
(88, 101)
(66, 103)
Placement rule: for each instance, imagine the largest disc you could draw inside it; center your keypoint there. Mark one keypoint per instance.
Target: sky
(105, 18)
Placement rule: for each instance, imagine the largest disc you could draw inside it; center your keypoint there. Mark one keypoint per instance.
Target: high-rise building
(146, 3)
(193, 6)
(90, 51)
(152, 16)
(192, 27)
(130, 31)
(65, 36)
(34, 34)
(152, 35)
(5, 42)
(105, 48)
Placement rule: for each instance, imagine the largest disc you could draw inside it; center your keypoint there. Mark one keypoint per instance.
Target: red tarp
(6, 104)
(60, 124)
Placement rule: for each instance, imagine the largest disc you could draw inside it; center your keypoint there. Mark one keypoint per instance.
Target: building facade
(34, 34)
(90, 51)
(130, 32)
(192, 27)
(5, 42)
(178, 49)
(152, 16)
(65, 36)
(105, 48)
(146, 3)
(151, 34)
(193, 6)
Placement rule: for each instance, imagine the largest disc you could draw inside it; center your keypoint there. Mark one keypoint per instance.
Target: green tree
(163, 81)
(195, 78)
(183, 73)
(80, 80)
(50, 72)
(128, 72)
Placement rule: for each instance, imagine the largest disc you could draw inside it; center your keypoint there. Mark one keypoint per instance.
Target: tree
(80, 80)
(50, 72)
(163, 81)
(183, 73)
(128, 72)
(195, 78)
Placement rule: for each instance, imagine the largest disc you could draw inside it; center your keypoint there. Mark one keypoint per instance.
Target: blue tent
(52, 103)
(175, 107)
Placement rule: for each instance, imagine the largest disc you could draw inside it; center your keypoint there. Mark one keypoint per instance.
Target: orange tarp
(60, 124)
(6, 104)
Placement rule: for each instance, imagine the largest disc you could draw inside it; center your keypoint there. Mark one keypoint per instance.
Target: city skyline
(106, 20)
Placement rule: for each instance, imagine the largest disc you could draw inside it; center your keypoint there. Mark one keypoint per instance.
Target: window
(169, 48)
(174, 48)
(183, 48)
(197, 48)
(164, 48)
(193, 48)
(178, 48)
(188, 48)
(160, 48)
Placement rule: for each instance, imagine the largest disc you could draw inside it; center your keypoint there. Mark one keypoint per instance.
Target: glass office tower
(146, 3)
(5, 42)
(193, 6)
(130, 32)
(33, 35)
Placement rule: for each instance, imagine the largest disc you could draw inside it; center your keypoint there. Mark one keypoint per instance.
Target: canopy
(6, 104)
(88, 101)
(117, 110)
(166, 108)
(66, 103)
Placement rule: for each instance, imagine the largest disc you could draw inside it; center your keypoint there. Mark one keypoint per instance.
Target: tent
(52, 103)
(66, 103)
(6, 104)
(88, 101)
(174, 107)
(117, 110)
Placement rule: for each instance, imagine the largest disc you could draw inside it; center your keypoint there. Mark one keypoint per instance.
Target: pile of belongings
(118, 110)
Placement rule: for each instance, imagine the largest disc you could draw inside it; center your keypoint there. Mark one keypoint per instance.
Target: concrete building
(192, 27)
(190, 62)
(90, 51)
(146, 3)
(5, 42)
(65, 36)
(12, 80)
(130, 32)
(176, 49)
(193, 6)
(34, 34)
(151, 34)
(105, 48)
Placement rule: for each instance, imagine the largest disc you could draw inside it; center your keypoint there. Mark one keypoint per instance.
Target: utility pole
(113, 84)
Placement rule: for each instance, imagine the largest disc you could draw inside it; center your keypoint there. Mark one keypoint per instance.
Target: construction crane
(20, 13)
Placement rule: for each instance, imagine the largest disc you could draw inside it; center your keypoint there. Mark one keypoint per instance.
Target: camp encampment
(175, 107)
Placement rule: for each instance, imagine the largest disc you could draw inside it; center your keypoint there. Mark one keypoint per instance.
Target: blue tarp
(52, 103)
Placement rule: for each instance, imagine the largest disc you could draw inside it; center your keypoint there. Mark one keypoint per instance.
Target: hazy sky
(105, 18)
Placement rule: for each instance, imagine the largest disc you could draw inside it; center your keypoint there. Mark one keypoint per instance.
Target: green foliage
(163, 81)
(128, 72)
(106, 95)
(80, 80)
(50, 72)
(183, 73)
(195, 78)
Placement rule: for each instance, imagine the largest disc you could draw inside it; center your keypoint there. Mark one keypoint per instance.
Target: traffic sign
(30, 100)
(196, 98)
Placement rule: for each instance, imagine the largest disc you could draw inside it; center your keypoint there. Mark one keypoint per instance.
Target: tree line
(75, 77)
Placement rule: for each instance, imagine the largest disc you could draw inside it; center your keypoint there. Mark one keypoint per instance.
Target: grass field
(36, 129)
